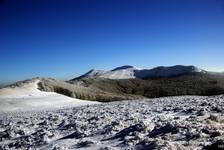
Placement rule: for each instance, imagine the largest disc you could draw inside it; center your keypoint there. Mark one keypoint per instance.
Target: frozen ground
(185, 122)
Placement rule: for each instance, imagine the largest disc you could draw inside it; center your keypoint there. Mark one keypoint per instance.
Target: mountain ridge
(104, 86)
(130, 72)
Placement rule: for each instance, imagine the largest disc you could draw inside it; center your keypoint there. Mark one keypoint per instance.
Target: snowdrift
(26, 97)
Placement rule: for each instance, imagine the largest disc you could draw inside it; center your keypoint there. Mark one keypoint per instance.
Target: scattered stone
(75, 135)
(128, 131)
(214, 118)
(218, 145)
(215, 134)
(168, 128)
(217, 109)
(139, 124)
(84, 144)
(201, 113)
(147, 145)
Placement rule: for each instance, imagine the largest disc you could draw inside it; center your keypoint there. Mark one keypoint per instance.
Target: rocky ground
(185, 122)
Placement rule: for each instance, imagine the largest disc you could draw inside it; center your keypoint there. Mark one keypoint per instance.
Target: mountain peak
(91, 70)
(127, 72)
(123, 67)
(163, 71)
(91, 74)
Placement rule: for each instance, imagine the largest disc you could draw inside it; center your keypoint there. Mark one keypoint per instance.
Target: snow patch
(27, 97)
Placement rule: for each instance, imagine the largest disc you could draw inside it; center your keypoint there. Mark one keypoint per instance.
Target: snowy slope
(92, 73)
(27, 97)
(130, 72)
(124, 72)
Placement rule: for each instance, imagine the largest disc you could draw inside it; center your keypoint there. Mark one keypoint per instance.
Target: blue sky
(66, 38)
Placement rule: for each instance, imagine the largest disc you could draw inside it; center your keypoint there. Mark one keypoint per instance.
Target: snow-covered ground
(184, 122)
(27, 97)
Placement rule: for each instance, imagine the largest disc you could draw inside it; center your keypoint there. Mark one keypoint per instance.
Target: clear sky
(66, 38)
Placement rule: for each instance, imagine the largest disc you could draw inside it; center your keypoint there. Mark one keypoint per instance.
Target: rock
(218, 145)
(215, 134)
(67, 126)
(128, 131)
(206, 131)
(204, 104)
(20, 132)
(75, 135)
(107, 148)
(214, 118)
(56, 147)
(147, 145)
(217, 109)
(193, 136)
(201, 113)
(84, 144)
(109, 128)
(4, 136)
(168, 128)
(189, 111)
(44, 123)
(176, 118)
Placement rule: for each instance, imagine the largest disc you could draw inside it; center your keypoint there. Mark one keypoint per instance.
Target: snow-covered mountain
(168, 71)
(123, 72)
(25, 95)
(130, 72)
(92, 73)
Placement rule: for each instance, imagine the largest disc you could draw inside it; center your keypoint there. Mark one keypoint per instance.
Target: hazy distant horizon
(71, 76)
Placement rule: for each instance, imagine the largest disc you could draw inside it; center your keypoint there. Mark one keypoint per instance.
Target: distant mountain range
(128, 82)
(130, 72)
